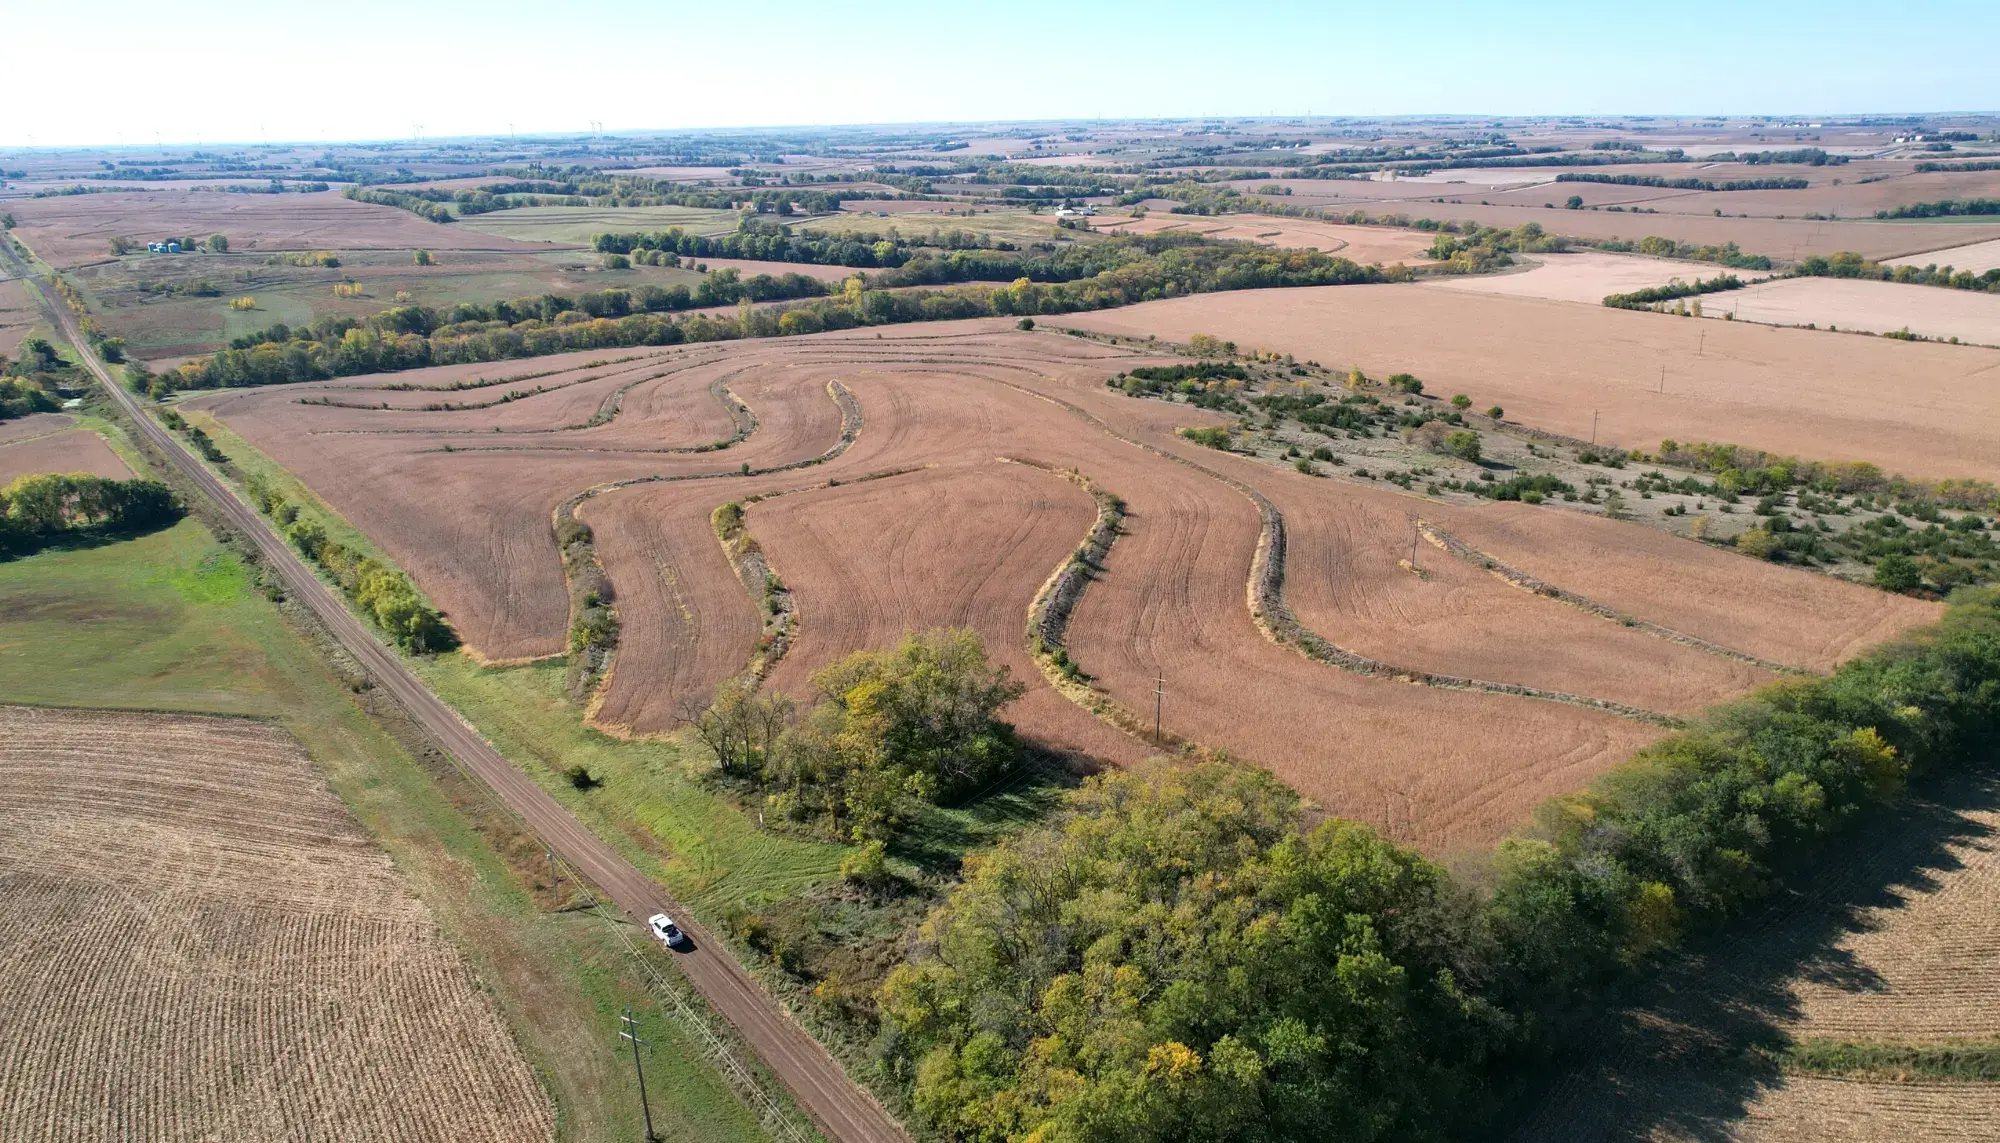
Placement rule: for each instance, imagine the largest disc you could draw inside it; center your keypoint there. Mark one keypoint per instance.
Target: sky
(105, 72)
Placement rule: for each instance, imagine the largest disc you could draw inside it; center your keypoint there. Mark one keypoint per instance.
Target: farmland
(273, 960)
(64, 450)
(1871, 307)
(461, 492)
(1560, 366)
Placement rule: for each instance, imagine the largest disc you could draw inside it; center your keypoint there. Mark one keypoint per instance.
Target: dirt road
(845, 1112)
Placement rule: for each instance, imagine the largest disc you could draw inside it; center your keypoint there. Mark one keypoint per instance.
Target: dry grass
(1588, 276)
(1875, 307)
(203, 945)
(1978, 258)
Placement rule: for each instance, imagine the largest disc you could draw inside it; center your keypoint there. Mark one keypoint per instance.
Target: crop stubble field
(63, 450)
(948, 534)
(203, 945)
(1923, 409)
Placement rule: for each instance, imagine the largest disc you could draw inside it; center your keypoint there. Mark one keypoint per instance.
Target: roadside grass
(172, 622)
(708, 852)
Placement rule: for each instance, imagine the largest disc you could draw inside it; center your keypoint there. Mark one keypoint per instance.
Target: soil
(69, 451)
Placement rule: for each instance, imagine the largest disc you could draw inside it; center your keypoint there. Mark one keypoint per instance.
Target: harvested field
(962, 546)
(965, 540)
(750, 268)
(18, 314)
(72, 450)
(203, 945)
(1876, 307)
(72, 230)
(34, 425)
(1784, 238)
(1800, 619)
(1809, 1109)
(1587, 276)
(1978, 257)
(1364, 244)
(1925, 410)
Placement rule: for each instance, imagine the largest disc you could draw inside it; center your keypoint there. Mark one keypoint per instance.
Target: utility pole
(555, 878)
(1702, 344)
(628, 1030)
(1416, 529)
(1159, 701)
(1593, 426)
(1663, 380)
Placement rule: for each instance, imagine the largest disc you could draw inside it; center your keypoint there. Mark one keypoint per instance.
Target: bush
(1025, 323)
(1461, 402)
(1898, 572)
(1463, 444)
(1209, 437)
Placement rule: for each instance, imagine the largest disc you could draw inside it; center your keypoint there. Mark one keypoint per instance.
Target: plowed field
(70, 450)
(464, 498)
(200, 944)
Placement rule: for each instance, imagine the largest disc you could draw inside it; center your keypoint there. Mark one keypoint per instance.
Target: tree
(1206, 345)
(423, 258)
(1025, 323)
(1496, 412)
(1575, 202)
(217, 244)
(121, 245)
(1463, 444)
(740, 728)
(1461, 402)
(1898, 572)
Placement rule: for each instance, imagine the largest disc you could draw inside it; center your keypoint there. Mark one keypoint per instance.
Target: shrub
(1758, 542)
(1898, 572)
(1463, 444)
(1025, 323)
(1211, 437)
(1461, 402)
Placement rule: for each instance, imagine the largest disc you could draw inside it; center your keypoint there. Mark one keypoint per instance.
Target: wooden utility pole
(1593, 426)
(628, 1030)
(1159, 701)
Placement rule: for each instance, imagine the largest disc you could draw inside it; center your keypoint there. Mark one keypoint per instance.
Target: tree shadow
(938, 839)
(78, 539)
(1675, 1054)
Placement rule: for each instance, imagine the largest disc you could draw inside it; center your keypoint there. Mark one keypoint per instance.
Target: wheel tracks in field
(1515, 577)
(592, 689)
(470, 406)
(1264, 592)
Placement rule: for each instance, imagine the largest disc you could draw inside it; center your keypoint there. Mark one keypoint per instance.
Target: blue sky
(105, 71)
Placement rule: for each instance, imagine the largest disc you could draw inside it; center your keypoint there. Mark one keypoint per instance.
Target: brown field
(72, 230)
(18, 315)
(1979, 257)
(34, 425)
(72, 450)
(203, 945)
(1364, 244)
(1876, 307)
(1587, 276)
(952, 537)
(1784, 238)
(1922, 409)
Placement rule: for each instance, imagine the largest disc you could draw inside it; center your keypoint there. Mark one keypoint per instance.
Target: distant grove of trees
(1652, 295)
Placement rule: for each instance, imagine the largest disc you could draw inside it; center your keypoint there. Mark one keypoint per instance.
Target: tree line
(27, 383)
(1685, 184)
(1652, 295)
(414, 336)
(771, 242)
(1944, 208)
(1181, 954)
(1848, 264)
(384, 594)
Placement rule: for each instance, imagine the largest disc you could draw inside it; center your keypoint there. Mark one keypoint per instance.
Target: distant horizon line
(640, 133)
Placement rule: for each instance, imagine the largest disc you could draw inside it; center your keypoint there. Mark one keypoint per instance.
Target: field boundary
(1515, 577)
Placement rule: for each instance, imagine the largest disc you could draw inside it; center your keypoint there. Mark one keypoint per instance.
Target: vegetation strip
(1970, 1062)
(1049, 612)
(1518, 578)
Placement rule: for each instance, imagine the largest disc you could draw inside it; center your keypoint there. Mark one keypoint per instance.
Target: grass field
(171, 621)
(1018, 225)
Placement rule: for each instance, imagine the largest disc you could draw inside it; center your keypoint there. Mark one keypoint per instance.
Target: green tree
(1898, 572)
(1461, 402)
(423, 258)
(217, 244)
